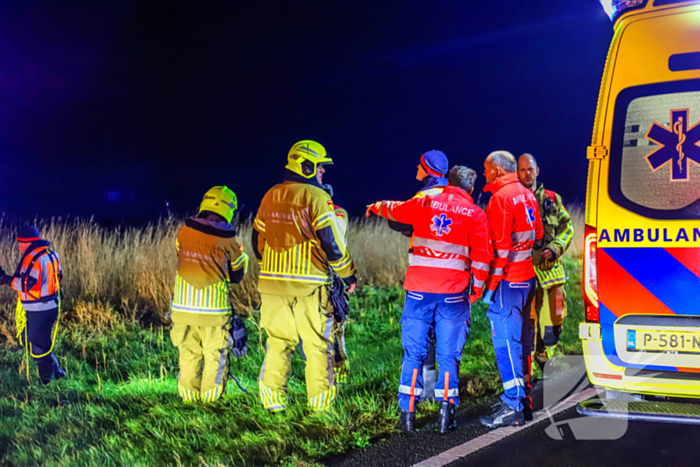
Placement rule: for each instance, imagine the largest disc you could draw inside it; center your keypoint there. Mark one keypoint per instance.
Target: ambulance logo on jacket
(679, 144)
(441, 225)
(530, 214)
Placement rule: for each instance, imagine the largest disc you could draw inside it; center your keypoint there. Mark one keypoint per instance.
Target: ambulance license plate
(663, 341)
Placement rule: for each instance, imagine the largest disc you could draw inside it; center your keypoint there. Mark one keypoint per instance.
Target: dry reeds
(130, 271)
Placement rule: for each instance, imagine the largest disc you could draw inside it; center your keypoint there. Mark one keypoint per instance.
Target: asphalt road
(637, 444)
(642, 444)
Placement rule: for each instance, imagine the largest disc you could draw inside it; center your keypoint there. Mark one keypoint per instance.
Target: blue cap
(435, 163)
(28, 234)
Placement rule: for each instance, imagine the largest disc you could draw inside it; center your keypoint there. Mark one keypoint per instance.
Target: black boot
(527, 409)
(46, 370)
(49, 369)
(502, 415)
(447, 421)
(406, 421)
(58, 372)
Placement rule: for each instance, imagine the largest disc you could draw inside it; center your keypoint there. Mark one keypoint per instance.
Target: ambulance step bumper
(649, 411)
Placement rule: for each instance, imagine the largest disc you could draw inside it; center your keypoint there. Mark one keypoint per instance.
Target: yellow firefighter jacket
(558, 233)
(208, 258)
(298, 240)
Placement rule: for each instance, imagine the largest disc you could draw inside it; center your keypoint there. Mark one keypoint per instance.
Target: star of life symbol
(441, 225)
(679, 144)
(530, 214)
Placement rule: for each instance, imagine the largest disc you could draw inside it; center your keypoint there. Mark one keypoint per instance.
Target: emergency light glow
(590, 274)
(613, 7)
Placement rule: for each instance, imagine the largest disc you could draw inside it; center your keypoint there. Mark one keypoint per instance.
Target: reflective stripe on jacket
(514, 218)
(558, 232)
(36, 277)
(298, 239)
(209, 259)
(451, 241)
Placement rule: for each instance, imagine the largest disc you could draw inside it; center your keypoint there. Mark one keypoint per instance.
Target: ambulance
(641, 269)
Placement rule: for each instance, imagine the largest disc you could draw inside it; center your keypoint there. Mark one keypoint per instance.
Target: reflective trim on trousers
(213, 394)
(272, 400)
(513, 383)
(403, 389)
(323, 401)
(440, 393)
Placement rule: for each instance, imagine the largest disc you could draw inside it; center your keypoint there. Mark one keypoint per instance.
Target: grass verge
(118, 405)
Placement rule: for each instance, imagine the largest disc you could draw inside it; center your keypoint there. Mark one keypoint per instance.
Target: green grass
(118, 405)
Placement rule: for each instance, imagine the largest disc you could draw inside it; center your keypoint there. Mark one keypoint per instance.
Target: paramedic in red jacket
(515, 223)
(446, 273)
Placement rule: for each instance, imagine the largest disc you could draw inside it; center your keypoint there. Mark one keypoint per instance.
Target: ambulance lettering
(681, 235)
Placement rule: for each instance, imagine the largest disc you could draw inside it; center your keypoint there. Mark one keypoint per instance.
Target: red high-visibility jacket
(450, 241)
(37, 276)
(514, 217)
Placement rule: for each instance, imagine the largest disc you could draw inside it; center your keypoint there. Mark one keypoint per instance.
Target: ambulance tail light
(590, 274)
(614, 7)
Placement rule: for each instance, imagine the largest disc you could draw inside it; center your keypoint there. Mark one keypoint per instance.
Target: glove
(240, 337)
(376, 206)
(488, 297)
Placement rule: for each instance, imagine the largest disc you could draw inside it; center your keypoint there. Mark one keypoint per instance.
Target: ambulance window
(655, 155)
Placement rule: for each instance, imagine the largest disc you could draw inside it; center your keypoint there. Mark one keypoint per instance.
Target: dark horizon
(114, 111)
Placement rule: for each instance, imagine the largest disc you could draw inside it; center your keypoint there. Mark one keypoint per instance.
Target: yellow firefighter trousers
(203, 361)
(548, 311)
(287, 319)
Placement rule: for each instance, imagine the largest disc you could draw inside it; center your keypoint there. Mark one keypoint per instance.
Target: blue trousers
(511, 331)
(450, 316)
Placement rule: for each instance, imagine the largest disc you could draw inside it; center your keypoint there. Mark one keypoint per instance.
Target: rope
(230, 373)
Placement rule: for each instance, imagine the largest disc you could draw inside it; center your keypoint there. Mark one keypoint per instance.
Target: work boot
(527, 409)
(58, 372)
(502, 415)
(406, 421)
(49, 369)
(447, 421)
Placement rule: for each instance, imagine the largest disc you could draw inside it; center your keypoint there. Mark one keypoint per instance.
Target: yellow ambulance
(642, 238)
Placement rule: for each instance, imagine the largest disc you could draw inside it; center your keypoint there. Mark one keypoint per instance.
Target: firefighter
(205, 326)
(431, 172)
(514, 218)
(299, 244)
(37, 281)
(549, 305)
(338, 305)
(446, 274)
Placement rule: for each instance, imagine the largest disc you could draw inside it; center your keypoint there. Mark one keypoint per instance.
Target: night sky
(120, 111)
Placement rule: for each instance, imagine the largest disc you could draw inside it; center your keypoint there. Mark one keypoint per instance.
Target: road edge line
(476, 444)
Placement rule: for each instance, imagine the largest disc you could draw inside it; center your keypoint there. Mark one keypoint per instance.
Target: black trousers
(39, 335)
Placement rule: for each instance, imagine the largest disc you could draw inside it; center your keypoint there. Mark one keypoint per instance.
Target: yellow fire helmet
(307, 155)
(220, 200)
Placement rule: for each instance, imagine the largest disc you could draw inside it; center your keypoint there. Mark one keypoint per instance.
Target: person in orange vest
(37, 282)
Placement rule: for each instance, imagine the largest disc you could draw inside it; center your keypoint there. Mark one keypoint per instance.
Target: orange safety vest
(36, 279)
